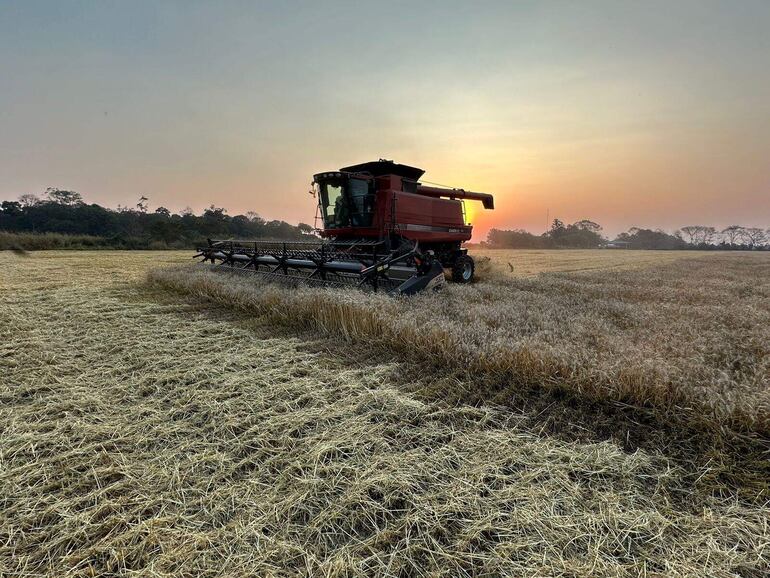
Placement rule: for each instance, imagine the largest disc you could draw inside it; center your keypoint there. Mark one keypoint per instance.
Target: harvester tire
(462, 269)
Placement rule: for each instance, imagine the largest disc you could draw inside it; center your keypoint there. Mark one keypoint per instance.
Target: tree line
(137, 227)
(586, 234)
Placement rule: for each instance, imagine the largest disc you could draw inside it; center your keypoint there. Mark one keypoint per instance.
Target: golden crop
(230, 428)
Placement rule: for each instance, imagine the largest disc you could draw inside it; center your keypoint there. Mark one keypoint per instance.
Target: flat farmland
(608, 417)
(528, 262)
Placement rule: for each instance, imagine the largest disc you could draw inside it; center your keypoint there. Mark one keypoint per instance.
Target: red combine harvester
(382, 228)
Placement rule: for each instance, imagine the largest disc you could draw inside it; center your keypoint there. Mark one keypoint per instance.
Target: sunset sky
(654, 114)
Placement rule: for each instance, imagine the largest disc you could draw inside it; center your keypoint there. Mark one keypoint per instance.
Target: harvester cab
(381, 228)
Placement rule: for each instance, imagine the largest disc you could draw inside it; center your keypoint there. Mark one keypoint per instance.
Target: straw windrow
(690, 339)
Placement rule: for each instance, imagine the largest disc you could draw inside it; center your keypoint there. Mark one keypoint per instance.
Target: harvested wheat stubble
(148, 437)
(529, 262)
(691, 339)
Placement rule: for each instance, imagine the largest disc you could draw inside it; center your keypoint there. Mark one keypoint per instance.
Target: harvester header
(380, 227)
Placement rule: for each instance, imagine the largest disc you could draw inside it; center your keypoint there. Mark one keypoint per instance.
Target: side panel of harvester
(423, 218)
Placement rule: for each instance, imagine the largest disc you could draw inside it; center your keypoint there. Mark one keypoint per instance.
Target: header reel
(365, 264)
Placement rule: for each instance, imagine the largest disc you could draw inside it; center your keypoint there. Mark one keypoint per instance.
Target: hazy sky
(628, 113)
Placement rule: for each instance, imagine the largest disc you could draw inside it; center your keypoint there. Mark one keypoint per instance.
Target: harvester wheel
(462, 270)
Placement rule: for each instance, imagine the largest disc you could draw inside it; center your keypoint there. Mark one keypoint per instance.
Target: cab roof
(385, 167)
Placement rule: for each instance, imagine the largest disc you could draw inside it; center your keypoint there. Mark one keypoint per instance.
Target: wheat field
(196, 424)
(689, 337)
(529, 262)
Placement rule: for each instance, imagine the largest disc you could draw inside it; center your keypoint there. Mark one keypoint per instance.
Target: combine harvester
(382, 229)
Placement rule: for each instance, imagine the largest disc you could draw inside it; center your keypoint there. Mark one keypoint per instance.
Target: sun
(470, 210)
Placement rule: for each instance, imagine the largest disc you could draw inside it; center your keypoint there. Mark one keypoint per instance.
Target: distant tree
(581, 234)
(587, 225)
(556, 227)
(515, 239)
(254, 217)
(733, 234)
(557, 231)
(699, 235)
(215, 213)
(690, 234)
(163, 212)
(141, 206)
(166, 231)
(240, 226)
(62, 197)
(11, 208)
(305, 229)
(754, 236)
(648, 239)
(29, 200)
